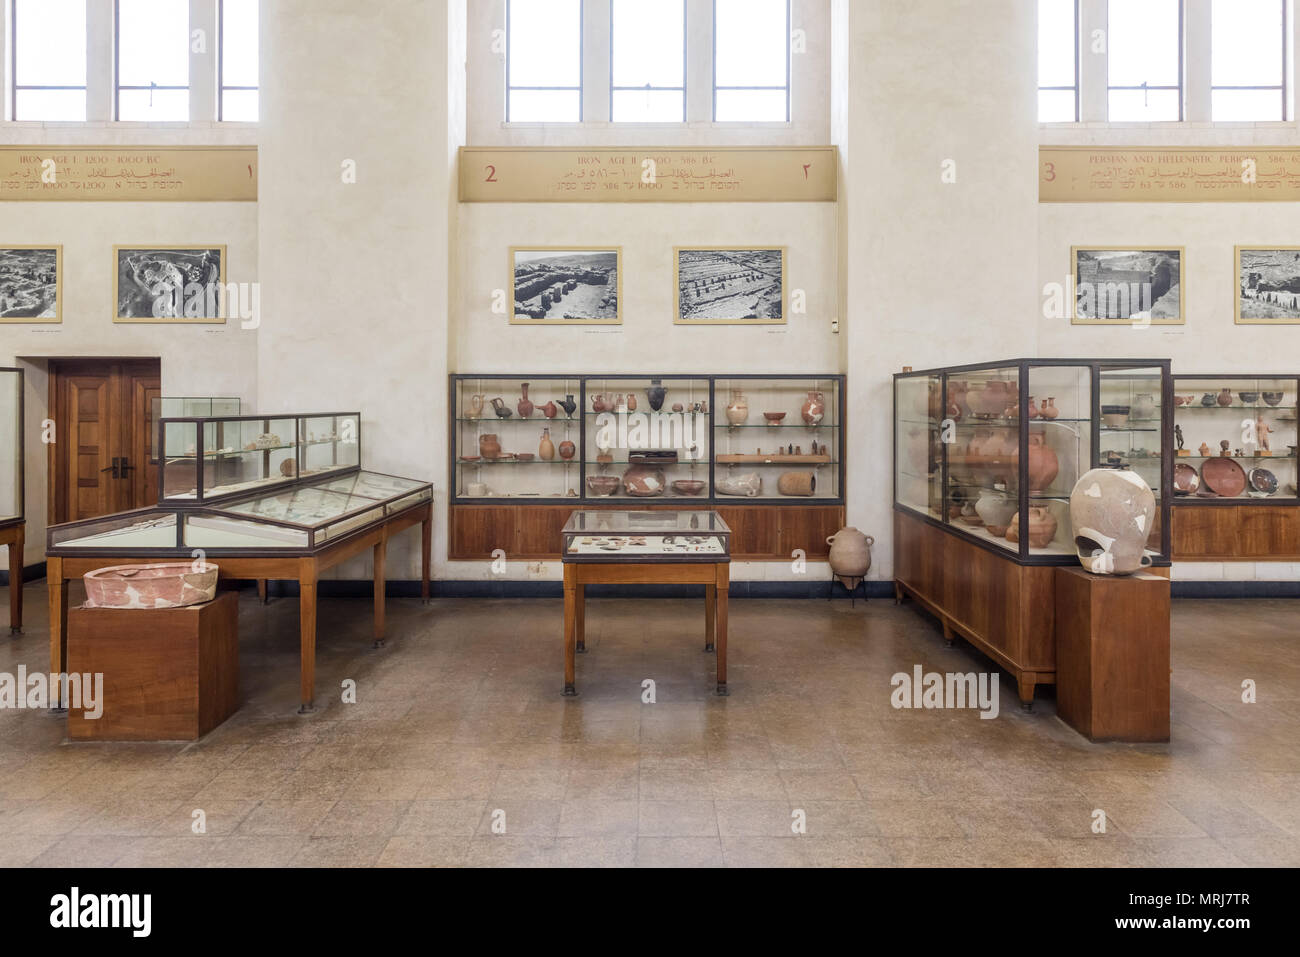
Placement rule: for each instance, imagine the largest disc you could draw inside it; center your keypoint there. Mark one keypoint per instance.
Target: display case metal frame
(13, 528)
(587, 500)
(1096, 368)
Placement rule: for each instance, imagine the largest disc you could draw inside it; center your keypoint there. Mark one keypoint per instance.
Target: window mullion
(596, 65)
(1198, 60)
(100, 69)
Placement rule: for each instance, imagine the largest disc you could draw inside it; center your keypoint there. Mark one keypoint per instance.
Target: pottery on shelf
(546, 450)
(550, 410)
(814, 409)
(568, 405)
(1112, 512)
(603, 484)
(1225, 397)
(1144, 406)
(489, 446)
(993, 399)
(774, 418)
(1261, 482)
(737, 408)
(1115, 416)
(797, 483)
(1209, 400)
(475, 406)
(1043, 463)
(689, 486)
(525, 404)
(1186, 479)
(598, 403)
(1223, 477)
(1248, 398)
(631, 402)
(524, 456)
(850, 555)
(501, 409)
(996, 507)
(1272, 398)
(747, 485)
(1204, 450)
(166, 585)
(644, 481)
(568, 450)
(678, 407)
(656, 394)
(1042, 527)
(288, 468)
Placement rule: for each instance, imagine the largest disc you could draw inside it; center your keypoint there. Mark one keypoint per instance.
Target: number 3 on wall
(1049, 172)
(492, 174)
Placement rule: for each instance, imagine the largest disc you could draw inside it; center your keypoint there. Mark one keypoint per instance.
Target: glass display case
(1235, 439)
(628, 437)
(11, 446)
(639, 537)
(204, 459)
(991, 450)
(184, 406)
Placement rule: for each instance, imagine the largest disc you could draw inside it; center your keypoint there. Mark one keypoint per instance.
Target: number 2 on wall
(492, 175)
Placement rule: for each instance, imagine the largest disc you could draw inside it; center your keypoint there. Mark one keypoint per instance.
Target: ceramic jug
(738, 408)
(814, 409)
(502, 410)
(568, 405)
(475, 406)
(546, 450)
(525, 405)
(489, 446)
(1225, 397)
(656, 394)
(567, 450)
(850, 555)
(1043, 463)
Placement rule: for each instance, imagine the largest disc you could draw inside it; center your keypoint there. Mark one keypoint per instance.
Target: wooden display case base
(1112, 655)
(13, 537)
(1252, 532)
(170, 674)
(760, 533)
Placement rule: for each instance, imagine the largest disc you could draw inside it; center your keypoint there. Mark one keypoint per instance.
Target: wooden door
(100, 459)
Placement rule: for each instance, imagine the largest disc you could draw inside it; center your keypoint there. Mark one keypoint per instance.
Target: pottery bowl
(1272, 398)
(690, 486)
(774, 417)
(1248, 398)
(166, 585)
(603, 484)
(524, 456)
(1115, 416)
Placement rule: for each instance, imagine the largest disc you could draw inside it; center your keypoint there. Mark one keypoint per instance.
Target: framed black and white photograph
(169, 283)
(1116, 285)
(566, 285)
(1268, 285)
(729, 286)
(31, 283)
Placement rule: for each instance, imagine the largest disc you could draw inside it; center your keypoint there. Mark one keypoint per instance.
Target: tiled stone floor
(460, 720)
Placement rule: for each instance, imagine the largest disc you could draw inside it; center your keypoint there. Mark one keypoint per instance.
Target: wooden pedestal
(169, 673)
(1112, 655)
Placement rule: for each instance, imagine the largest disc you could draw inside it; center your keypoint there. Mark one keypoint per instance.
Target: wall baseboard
(30, 573)
(1241, 589)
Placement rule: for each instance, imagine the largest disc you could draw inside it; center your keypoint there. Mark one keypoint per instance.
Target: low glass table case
(613, 536)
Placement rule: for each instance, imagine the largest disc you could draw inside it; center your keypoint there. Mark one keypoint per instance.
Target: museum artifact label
(1153, 174)
(129, 173)
(647, 175)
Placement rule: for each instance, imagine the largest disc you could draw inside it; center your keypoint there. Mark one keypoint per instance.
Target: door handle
(126, 468)
(115, 468)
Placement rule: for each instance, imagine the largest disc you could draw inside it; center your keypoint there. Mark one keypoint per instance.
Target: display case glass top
(652, 536)
(989, 451)
(1235, 439)
(11, 446)
(176, 406)
(205, 459)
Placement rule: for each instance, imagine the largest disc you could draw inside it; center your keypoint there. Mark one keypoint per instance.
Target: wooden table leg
(426, 553)
(723, 584)
(261, 590)
(381, 580)
(16, 583)
(570, 631)
(58, 624)
(710, 615)
(307, 630)
(580, 619)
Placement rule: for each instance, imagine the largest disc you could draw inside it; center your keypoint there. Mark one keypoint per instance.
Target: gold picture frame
(1130, 282)
(1284, 300)
(681, 319)
(564, 278)
(182, 302)
(7, 305)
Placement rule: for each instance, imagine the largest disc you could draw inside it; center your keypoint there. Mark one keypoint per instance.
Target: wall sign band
(1157, 174)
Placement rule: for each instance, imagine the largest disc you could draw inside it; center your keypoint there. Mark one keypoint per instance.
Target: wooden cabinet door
(83, 435)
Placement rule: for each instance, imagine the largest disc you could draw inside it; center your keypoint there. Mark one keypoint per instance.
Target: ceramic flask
(546, 450)
(525, 405)
(738, 408)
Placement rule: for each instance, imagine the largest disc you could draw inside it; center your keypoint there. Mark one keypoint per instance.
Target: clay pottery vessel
(774, 418)
(598, 403)
(1033, 409)
(656, 394)
(797, 483)
(850, 555)
(1112, 512)
(168, 585)
(1248, 398)
(525, 405)
(1049, 410)
(524, 456)
(1144, 406)
(602, 484)
(502, 410)
(1115, 416)
(631, 402)
(475, 407)
(996, 507)
(1042, 527)
(958, 400)
(1209, 399)
(546, 450)
(1225, 397)
(550, 410)
(992, 400)
(934, 400)
(688, 486)
(568, 450)
(489, 446)
(1043, 463)
(738, 408)
(748, 485)
(644, 481)
(1272, 398)
(678, 407)
(568, 405)
(814, 409)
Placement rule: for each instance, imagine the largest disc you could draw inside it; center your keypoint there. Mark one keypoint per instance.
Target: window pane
(50, 43)
(156, 106)
(545, 106)
(648, 43)
(239, 106)
(751, 43)
(1144, 106)
(545, 43)
(153, 42)
(52, 105)
(1247, 42)
(649, 106)
(1247, 105)
(1056, 43)
(753, 106)
(239, 42)
(1144, 42)
(1056, 106)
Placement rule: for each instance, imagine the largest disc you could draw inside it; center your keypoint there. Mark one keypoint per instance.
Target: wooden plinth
(169, 673)
(1112, 655)
(12, 536)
